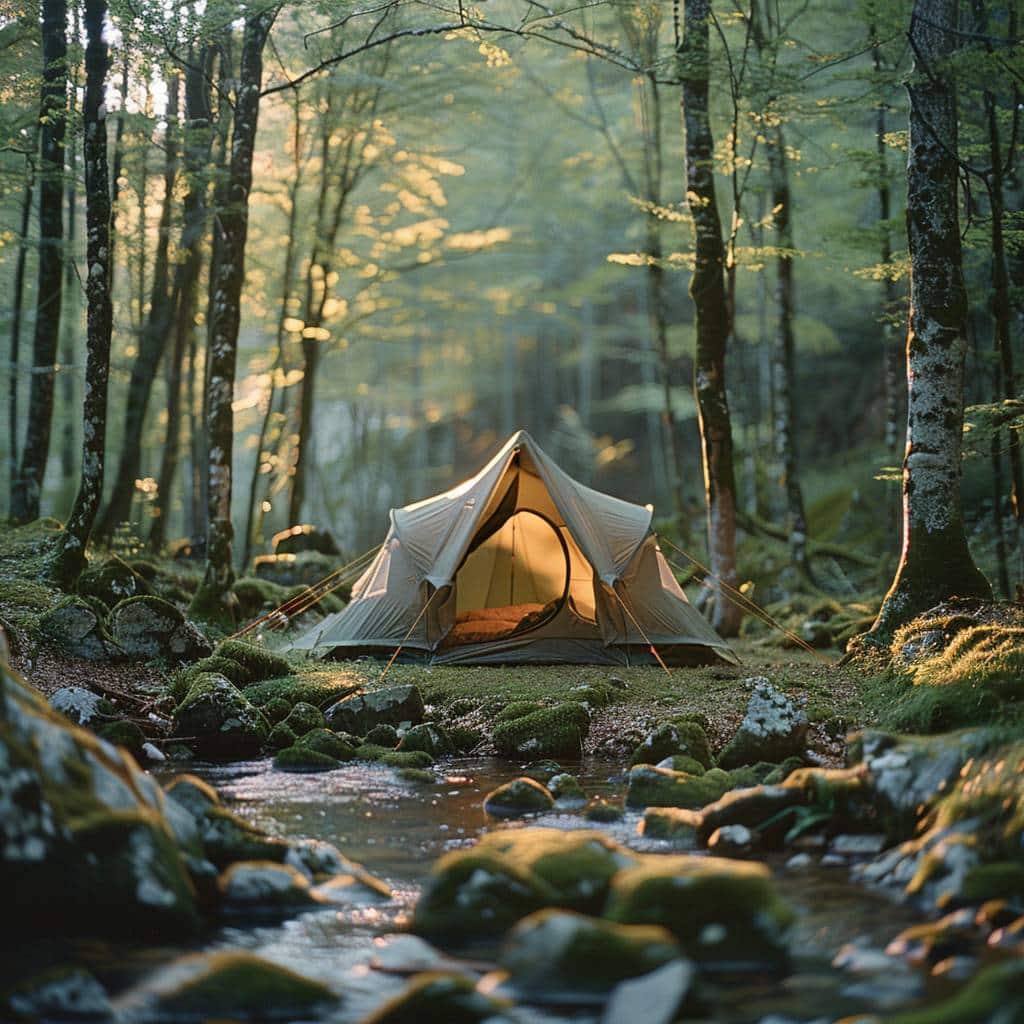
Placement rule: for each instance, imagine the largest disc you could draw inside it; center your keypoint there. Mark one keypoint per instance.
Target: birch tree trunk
(783, 361)
(70, 558)
(213, 596)
(152, 343)
(28, 487)
(935, 563)
(707, 288)
(196, 153)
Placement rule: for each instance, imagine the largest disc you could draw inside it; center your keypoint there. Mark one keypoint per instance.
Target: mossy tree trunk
(784, 356)
(707, 289)
(196, 154)
(935, 562)
(212, 598)
(152, 343)
(27, 490)
(70, 558)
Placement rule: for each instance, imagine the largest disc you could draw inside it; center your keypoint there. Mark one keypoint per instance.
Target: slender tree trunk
(151, 344)
(117, 159)
(935, 563)
(26, 494)
(310, 366)
(783, 363)
(211, 599)
(196, 154)
(17, 301)
(70, 557)
(707, 289)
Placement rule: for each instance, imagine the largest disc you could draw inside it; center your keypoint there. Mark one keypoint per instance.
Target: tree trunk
(935, 562)
(17, 300)
(783, 362)
(212, 596)
(707, 289)
(70, 558)
(26, 494)
(151, 344)
(196, 154)
(117, 159)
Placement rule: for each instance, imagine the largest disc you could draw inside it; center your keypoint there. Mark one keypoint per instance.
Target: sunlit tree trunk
(152, 343)
(229, 276)
(935, 563)
(70, 557)
(707, 289)
(17, 302)
(27, 491)
(784, 356)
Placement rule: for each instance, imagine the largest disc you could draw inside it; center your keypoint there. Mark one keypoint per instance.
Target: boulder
(299, 758)
(265, 888)
(566, 790)
(685, 737)
(125, 734)
(75, 627)
(662, 787)
(543, 771)
(259, 663)
(772, 729)
(518, 798)
(150, 627)
(673, 823)
(427, 737)
(242, 986)
(557, 953)
(227, 838)
(281, 736)
(550, 732)
(323, 741)
(724, 913)
(681, 763)
(655, 998)
(768, 810)
(111, 581)
(82, 706)
(394, 705)
(304, 718)
(86, 847)
(439, 998)
(602, 812)
(383, 736)
(220, 721)
(65, 993)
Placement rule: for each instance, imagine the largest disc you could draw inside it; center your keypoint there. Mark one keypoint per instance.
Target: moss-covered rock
(427, 737)
(766, 810)
(518, 798)
(383, 736)
(405, 759)
(280, 737)
(543, 771)
(476, 893)
(304, 717)
(276, 710)
(218, 720)
(123, 734)
(464, 738)
(75, 627)
(682, 763)
(517, 709)
(995, 994)
(82, 706)
(111, 581)
(317, 688)
(661, 787)
(567, 791)
(560, 953)
(260, 663)
(674, 823)
(265, 888)
(418, 776)
(603, 813)
(724, 913)
(394, 705)
(675, 738)
(231, 670)
(150, 627)
(330, 743)
(438, 998)
(85, 845)
(299, 758)
(242, 986)
(772, 729)
(256, 596)
(227, 838)
(551, 732)
(66, 993)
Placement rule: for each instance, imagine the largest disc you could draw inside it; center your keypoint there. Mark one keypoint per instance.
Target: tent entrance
(515, 579)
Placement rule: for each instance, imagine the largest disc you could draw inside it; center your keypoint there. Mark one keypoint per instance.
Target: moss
(237, 985)
(433, 739)
(123, 734)
(550, 732)
(319, 686)
(280, 737)
(517, 798)
(517, 709)
(438, 998)
(75, 627)
(238, 674)
(228, 838)
(675, 737)
(1000, 880)
(256, 595)
(330, 743)
(383, 736)
(111, 581)
(371, 752)
(464, 738)
(417, 775)
(662, 787)
(261, 663)
(671, 823)
(303, 717)
(220, 720)
(299, 758)
(406, 759)
(780, 772)
(994, 993)
(276, 710)
(461, 707)
(682, 763)
(595, 696)
(566, 789)
(602, 812)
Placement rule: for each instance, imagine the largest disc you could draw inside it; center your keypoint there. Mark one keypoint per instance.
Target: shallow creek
(397, 830)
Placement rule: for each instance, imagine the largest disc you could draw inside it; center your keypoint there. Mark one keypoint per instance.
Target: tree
(935, 563)
(27, 489)
(707, 288)
(70, 557)
(228, 276)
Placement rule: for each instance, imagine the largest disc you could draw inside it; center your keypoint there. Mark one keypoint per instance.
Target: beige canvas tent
(520, 564)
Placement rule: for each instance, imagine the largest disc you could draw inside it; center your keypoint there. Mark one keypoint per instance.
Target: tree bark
(25, 496)
(152, 343)
(70, 558)
(707, 288)
(196, 154)
(935, 562)
(784, 357)
(212, 596)
(17, 300)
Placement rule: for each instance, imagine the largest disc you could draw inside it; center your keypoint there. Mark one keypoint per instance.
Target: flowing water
(397, 830)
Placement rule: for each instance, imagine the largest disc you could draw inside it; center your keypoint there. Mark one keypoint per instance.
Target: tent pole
(416, 622)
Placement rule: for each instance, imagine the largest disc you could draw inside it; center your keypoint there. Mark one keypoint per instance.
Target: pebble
(832, 860)
(153, 752)
(799, 861)
(858, 845)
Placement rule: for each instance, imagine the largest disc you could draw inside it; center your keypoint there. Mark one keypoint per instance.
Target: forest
(512, 512)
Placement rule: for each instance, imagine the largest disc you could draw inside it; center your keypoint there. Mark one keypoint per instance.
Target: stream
(396, 830)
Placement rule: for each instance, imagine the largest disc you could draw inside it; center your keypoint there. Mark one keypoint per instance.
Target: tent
(520, 563)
